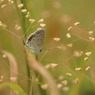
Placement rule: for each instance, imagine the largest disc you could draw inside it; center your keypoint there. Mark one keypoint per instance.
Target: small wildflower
(4, 56)
(59, 85)
(65, 89)
(60, 77)
(86, 59)
(28, 15)
(91, 39)
(13, 79)
(32, 20)
(68, 74)
(76, 81)
(24, 10)
(70, 28)
(56, 39)
(47, 66)
(3, 6)
(88, 53)
(70, 45)
(76, 23)
(53, 65)
(20, 5)
(68, 35)
(17, 27)
(44, 86)
(90, 32)
(41, 20)
(87, 68)
(64, 82)
(42, 25)
(78, 69)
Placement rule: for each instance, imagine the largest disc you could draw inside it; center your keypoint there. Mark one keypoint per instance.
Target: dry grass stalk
(13, 68)
(33, 63)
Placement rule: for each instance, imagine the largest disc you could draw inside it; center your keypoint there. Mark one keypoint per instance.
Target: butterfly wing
(35, 40)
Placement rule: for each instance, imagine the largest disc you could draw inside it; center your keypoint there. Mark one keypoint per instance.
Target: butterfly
(35, 40)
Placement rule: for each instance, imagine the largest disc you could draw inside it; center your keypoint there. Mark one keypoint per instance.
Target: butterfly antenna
(45, 49)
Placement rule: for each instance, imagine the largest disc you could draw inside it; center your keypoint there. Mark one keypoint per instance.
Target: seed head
(90, 32)
(76, 81)
(32, 20)
(24, 10)
(42, 25)
(78, 69)
(86, 59)
(88, 53)
(53, 65)
(3, 6)
(41, 20)
(76, 23)
(59, 85)
(68, 74)
(91, 39)
(64, 82)
(70, 28)
(70, 45)
(44, 86)
(17, 27)
(13, 79)
(4, 56)
(1, 1)
(28, 15)
(47, 66)
(68, 35)
(60, 77)
(65, 89)
(87, 68)
(56, 39)
(20, 5)
(10, 1)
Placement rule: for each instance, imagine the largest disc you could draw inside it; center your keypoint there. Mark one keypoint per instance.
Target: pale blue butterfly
(35, 40)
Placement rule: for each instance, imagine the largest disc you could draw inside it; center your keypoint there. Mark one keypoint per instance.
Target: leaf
(14, 87)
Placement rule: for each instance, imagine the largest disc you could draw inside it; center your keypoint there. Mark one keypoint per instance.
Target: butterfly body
(35, 40)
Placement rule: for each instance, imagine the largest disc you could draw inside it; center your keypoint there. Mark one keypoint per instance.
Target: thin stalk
(24, 24)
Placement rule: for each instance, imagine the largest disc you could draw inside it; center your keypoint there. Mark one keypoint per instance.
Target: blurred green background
(58, 16)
